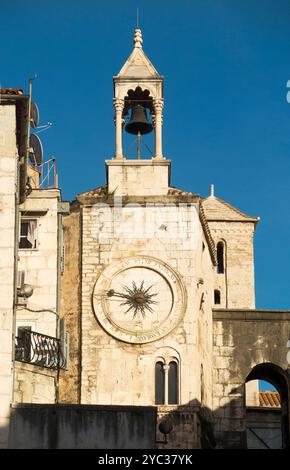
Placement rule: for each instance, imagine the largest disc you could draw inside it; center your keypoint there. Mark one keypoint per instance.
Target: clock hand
(112, 293)
(136, 299)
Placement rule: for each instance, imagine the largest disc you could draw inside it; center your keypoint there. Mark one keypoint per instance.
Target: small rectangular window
(28, 234)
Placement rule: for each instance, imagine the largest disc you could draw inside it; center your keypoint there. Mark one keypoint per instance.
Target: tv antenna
(34, 112)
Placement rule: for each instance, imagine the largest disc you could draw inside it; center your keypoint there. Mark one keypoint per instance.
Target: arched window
(173, 383)
(217, 297)
(166, 382)
(159, 383)
(220, 257)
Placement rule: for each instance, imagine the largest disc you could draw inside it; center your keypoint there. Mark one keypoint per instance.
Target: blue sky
(263, 385)
(226, 119)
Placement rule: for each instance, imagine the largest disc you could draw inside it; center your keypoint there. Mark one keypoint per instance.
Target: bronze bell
(138, 121)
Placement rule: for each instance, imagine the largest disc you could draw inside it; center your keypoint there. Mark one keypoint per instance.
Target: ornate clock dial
(139, 299)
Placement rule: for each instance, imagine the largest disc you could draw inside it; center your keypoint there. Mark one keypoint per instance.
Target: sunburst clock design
(137, 299)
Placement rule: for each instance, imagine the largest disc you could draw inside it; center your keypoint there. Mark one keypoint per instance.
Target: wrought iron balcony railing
(41, 350)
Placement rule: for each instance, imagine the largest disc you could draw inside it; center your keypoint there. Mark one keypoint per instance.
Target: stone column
(166, 369)
(158, 106)
(119, 106)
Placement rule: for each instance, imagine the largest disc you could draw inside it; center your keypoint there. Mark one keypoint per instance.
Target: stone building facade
(154, 286)
(8, 175)
(30, 266)
(179, 349)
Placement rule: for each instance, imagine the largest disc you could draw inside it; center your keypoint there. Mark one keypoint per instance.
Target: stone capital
(158, 105)
(118, 104)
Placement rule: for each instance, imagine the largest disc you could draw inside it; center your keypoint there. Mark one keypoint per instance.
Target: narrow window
(28, 234)
(217, 297)
(159, 383)
(220, 258)
(173, 383)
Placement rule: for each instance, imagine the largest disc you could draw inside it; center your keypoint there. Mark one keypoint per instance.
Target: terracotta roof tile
(100, 191)
(269, 399)
(11, 91)
(172, 191)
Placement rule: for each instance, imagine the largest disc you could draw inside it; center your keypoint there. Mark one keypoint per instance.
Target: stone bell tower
(145, 261)
(138, 92)
(138, 82)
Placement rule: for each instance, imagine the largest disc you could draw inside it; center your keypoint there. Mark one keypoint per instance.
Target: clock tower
(141, 275)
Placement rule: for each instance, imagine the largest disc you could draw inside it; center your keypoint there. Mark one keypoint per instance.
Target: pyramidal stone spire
(138, 40)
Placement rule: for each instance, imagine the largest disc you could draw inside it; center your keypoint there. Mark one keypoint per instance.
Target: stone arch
(138, 95)
(143, 86)
(217, 296)
(279, 378)
(168, 357)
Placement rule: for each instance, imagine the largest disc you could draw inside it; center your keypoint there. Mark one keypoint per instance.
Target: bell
(138, 121)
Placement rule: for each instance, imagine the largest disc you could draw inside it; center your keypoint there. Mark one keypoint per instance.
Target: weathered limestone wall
(71, 306)
(40, 265)
(131, 378)
(8, 158)
(186, 430)
(82, 427)
(242, 340)
(33, 384)
(252, 393)
(204, 305)
(237, 284)
(138, 177)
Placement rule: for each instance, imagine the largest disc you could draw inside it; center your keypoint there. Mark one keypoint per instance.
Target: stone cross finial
(138, 38)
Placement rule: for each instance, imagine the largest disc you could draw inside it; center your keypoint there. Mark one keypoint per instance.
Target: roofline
(230, 206)
(12, 97)
(253, 221)
(250, 314)
(207, 233)
(133, 77)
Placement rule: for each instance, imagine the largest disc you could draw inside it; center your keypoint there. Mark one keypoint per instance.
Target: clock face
(139, 299)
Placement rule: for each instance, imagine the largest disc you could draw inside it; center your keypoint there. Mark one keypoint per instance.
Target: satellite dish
(36, 150)
(34, 115)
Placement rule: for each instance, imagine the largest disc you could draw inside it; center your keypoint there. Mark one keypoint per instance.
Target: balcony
(40, 350)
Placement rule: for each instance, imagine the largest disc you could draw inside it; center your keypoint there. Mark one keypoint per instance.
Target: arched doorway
(277, 377)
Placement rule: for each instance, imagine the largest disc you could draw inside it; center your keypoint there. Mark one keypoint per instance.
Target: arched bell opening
(138, 121)
(138, 96)
(267, 410)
